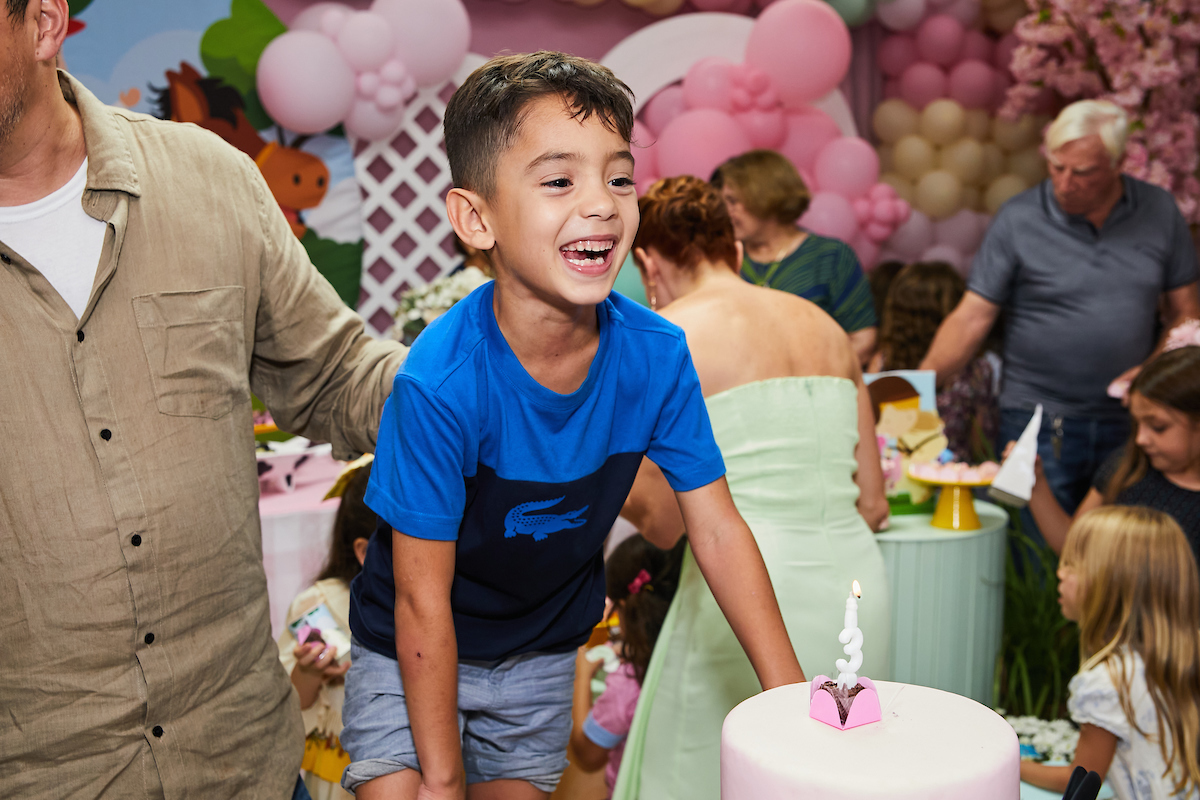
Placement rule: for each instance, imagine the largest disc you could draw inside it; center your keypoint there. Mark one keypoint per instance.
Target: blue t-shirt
(528, 481)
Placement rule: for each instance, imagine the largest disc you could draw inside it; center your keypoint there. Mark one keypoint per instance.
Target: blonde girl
(1128, 579)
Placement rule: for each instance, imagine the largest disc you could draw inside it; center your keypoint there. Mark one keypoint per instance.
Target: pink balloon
(897, 53)
(972, 83)
(664, 107)
(921, 84)
(698, 141)
(645, 168)
(885, 212)
(367, 120)
(891, 89)
(312, 18)
(881, 191)
(709, 84)
(939, 40)
(878, 231)
(641, 136)
(903, 210)
(304, 83)
(913, 237)
(765, 129)
(965, 11)
(804, 48)
(1001, 80)
(949, 254)
(366, 41)
(978, 45)
(1004, 50)
(862, 210)
(830, 215)
(808, 131)
(963, 230)
(848, 166)
(431, 36)
(901, 15)
(866, 250)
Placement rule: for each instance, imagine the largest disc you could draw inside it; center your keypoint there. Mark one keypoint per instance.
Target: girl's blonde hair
(1139, 592)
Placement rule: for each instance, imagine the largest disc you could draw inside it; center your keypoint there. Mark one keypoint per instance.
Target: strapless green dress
(788, 445)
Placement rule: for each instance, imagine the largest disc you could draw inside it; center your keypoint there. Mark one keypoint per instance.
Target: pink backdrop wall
(534, 25)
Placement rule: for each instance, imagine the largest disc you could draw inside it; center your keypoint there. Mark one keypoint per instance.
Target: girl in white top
(1128, 578)
(315, 668)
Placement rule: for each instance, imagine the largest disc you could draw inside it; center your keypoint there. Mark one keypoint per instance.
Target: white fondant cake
(930, 745)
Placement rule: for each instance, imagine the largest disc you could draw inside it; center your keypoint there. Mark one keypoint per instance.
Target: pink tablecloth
(296, 529)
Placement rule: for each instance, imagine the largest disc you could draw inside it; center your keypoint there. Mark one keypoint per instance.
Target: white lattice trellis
(408, 240)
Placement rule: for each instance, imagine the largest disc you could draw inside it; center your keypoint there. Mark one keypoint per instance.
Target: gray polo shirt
(1080, 304)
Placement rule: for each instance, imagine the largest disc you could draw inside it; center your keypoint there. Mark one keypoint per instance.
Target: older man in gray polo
(1080, 265)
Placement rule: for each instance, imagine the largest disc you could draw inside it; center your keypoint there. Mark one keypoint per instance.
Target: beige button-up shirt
(136, 658)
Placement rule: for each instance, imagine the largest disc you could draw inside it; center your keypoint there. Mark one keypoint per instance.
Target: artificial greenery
(1039, 649)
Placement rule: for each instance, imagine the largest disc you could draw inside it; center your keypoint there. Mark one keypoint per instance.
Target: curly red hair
(686, 222)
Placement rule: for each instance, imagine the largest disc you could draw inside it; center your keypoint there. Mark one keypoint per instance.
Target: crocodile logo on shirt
(519, 520)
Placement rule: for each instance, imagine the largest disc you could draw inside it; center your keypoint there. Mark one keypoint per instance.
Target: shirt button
(79, 335)
(149, 638)
(157, 731)
(136, 540)
(106, 434)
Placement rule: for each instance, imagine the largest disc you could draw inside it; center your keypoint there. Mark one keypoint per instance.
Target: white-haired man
(1080, 266)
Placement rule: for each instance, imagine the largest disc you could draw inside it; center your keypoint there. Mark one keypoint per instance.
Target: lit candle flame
(857, 589)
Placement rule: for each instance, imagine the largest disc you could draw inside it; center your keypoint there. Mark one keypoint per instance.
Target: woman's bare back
(739, 333)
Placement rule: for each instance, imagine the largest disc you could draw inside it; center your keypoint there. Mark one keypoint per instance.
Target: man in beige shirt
(136, 658)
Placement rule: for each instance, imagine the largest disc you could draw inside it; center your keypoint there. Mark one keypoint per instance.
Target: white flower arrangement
(421, 305)
(1054, 740)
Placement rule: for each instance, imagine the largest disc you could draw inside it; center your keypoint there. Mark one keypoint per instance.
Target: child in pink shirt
(640, 582)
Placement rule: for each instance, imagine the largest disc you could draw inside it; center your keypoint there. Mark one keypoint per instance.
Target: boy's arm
(1094, 753)
(427, 650)
(731, 563)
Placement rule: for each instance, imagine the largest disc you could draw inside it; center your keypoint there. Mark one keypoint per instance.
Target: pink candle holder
(863, 707)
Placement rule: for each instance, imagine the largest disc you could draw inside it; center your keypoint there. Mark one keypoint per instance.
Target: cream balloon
(964, 159)
(993, 163)
(942, 121)
(939, 193)
(913, 156)
(1001, 190)
(894, 119)
(972, 198)
(1028, 164)
(977, 124)
(1012, 136)
(903, 186)
(887, 162)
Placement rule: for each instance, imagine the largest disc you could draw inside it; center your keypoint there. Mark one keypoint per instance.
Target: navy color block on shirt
(527, 481)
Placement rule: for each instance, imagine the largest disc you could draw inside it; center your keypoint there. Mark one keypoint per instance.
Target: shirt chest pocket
(195, 347)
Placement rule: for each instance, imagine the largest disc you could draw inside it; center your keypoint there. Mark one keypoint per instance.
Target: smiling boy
(511, 439)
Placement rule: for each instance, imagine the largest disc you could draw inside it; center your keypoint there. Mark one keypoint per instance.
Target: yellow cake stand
(955, 509)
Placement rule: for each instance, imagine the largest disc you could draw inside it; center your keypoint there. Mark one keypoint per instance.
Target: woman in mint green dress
(794, 423)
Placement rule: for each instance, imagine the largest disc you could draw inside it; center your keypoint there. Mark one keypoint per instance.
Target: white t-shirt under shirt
(1137, 766)
(60, 240)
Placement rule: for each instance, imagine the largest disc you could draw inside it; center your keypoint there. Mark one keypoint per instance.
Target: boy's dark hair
(643, 611)
(16, 10)
(354, 520)
(485, 114)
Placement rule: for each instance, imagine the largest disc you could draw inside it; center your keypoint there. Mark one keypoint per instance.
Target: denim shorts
(514, 717)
